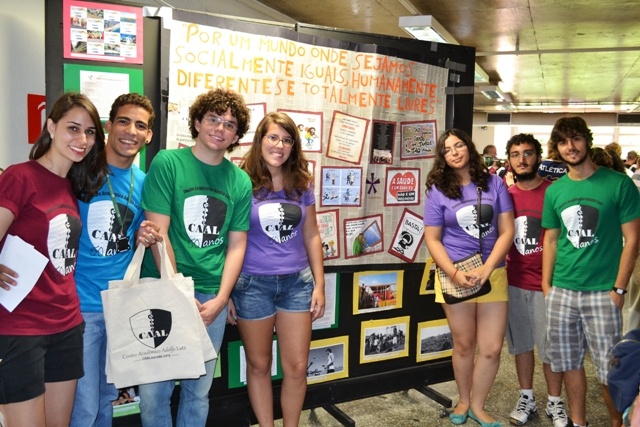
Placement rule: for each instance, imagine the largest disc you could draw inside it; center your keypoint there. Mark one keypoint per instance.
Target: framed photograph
(434, 340)
(310, 128)
(382, 141)
(341, 186)
(328, 226)
(363, 236)
(418, 140)
(258, 111)
(428, 283)
(402, 187)
(328, 360)
(346, 138)
(384, 339)
(409, 236)
(375, 291)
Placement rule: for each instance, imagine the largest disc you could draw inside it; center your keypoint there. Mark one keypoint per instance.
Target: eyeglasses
(525, 154)
(457, 146)
(215, 121)
(274, 139)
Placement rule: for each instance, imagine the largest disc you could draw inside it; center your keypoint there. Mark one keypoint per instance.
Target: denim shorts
(258, 297)
(28, 362)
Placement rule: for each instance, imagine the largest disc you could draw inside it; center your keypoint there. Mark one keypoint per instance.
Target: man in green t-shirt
(201, 202)
(585, 265)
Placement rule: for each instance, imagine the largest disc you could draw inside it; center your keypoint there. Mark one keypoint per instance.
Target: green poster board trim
(136, 85)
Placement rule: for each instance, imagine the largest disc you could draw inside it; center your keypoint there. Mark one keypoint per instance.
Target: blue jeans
(193, 407)
(92, 406)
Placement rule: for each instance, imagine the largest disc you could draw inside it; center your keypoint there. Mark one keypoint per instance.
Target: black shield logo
(151, 327)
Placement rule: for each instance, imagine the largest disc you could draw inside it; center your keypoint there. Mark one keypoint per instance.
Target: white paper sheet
(25, 260)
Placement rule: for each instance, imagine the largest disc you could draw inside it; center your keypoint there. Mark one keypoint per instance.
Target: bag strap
(132, 275)
(478, 222)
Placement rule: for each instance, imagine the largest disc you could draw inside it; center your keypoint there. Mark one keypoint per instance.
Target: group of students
(560, 253)
(82, 202)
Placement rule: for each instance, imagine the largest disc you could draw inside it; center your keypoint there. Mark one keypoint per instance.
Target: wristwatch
(619, 291)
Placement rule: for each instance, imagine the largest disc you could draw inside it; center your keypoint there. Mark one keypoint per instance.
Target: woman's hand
(149, 233)
(317, 304)
(232, 319)
(7, 277)
(481, 275)
(464, 279)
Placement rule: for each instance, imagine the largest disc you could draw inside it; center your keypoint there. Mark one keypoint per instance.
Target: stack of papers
(27, 262)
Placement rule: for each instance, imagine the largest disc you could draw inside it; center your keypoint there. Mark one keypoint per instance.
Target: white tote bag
(154, 330)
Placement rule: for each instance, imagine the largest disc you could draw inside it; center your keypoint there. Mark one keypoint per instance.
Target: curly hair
(524, 138)
(295, 171)
(219, 101)
(86, 176)
(133, 99)
(444, 178)
(568, 127)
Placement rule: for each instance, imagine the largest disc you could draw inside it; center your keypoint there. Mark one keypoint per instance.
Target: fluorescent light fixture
(480, 76)
(425, 27)
(492, 92)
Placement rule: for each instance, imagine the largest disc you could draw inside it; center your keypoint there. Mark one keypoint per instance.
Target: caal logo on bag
(151, 327)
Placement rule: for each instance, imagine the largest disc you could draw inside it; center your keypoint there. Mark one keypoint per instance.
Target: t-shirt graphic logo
(103, 226)
(62, 241)
(151, 327)
(467, 219)
(203, 219)
(527, 235)
(279, 220)
(581, 222)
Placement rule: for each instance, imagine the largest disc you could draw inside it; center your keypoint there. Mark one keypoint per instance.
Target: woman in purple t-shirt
(451, 233)
(281, 285)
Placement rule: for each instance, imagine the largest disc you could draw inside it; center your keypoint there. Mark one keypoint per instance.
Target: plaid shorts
(577, 320)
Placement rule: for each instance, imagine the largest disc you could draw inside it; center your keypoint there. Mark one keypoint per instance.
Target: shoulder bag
(454, 293)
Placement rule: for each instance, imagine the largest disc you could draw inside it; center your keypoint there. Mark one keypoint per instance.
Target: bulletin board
(370, 108)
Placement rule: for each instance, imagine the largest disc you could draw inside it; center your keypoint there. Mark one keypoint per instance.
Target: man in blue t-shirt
(110, 221)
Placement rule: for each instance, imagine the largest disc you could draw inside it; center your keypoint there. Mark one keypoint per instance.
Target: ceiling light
(425, 27)
(492, 92)
(480, 76)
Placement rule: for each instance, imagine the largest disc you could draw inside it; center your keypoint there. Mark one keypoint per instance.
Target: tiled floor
(412, 408)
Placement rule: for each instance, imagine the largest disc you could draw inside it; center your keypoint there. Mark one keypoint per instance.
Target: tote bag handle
(132, 276)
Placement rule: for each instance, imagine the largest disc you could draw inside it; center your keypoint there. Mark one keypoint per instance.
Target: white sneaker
(557, 413)
(525, 410)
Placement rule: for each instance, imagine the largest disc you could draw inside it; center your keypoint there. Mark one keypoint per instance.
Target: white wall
(21, 72)
(22, 60)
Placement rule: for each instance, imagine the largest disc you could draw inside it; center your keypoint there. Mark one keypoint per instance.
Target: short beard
(529, 176)
(580, 161)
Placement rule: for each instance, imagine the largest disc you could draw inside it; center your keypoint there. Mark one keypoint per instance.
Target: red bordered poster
(102, 32)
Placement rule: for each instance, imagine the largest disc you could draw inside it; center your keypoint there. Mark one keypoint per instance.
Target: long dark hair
(295, 171)
(444, 178)
(86, 176)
